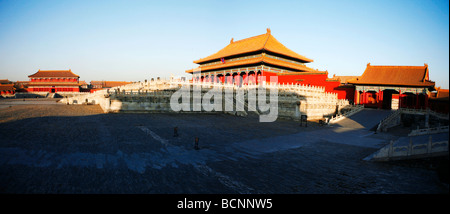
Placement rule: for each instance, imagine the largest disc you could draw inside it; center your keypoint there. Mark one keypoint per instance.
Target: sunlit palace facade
(254, 60)
(53, 81)
(393, 87)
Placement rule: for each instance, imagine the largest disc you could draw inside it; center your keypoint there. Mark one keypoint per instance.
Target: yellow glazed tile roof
(267, 60)
(252, 44)
(54, 73)
(395, 75)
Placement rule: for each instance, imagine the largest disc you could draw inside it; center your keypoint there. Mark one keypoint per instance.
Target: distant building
(83, 84)
(345, 90)
(7, 90)
(5, 81)
(53, 81)
(21, 86)
(439, 100)
(107, 84)
(393, 87)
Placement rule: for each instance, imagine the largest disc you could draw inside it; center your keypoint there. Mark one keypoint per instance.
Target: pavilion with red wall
(53, 81)
(393, 87)
(254, 60)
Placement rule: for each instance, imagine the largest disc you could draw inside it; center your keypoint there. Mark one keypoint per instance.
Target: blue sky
(137, 40)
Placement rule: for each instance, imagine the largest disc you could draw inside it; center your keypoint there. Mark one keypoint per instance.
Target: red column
(378, 99)
(417, 101)
(245, 78)
(363, 97)
(262, 74)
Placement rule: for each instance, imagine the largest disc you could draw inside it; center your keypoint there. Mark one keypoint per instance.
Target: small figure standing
(196, 143)
(304, 118)
(175, 132)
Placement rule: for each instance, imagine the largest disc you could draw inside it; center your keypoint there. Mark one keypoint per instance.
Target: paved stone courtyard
(77, 149)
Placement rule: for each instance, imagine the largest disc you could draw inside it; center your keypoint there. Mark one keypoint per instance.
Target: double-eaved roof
(253, 44)
(262, 58)
(53, 73)
(262, 43)
(7, 87)
(415, 76)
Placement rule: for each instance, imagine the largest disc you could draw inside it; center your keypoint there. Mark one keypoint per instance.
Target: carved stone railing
(423, 111)
(294, 100)
(390, 121)
(434, 130)
(394, 118)
(411, 150)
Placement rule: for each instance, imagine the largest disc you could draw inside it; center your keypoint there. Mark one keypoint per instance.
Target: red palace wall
(345, 92)
(7, 92)
(375, 99)
(57, 89)
(267, 75)
(319, 79)
(45, 87)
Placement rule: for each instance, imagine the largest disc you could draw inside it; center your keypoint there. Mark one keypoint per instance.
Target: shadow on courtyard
(138, 153)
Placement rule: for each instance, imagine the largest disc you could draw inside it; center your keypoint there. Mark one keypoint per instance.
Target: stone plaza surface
(78, 149)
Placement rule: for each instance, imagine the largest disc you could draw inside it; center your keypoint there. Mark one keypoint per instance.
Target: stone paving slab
(365, 119)
(137, 153)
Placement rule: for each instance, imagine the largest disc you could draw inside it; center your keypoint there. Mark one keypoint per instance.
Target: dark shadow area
(438, 164)
(138, 153)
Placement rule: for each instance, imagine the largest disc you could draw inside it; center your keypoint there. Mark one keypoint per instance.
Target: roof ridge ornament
(268, 31)
(232, 40)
